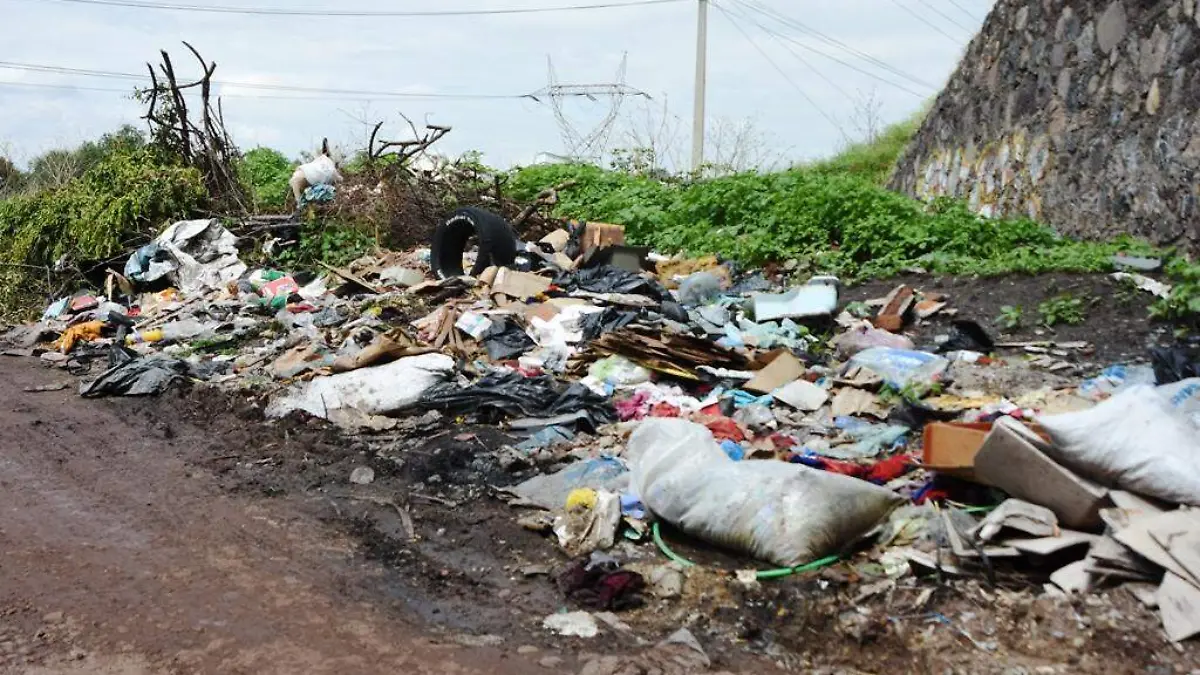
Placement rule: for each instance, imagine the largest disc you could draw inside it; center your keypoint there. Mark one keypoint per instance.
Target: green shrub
(122, 201)
(833, 222)
(1183, 303)
(266, 172)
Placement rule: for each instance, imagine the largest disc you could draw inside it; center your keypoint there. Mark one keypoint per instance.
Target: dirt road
(117, 557)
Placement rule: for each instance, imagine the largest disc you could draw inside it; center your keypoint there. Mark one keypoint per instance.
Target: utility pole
(701, 77)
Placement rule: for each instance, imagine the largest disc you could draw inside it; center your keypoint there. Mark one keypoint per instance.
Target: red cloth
(887, 470)
(725, 429)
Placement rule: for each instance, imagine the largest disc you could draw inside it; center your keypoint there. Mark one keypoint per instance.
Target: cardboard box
(1012, 460)
(951, 447)
(600, 235)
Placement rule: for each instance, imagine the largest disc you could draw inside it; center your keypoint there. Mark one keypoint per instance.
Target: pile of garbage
(768, 419)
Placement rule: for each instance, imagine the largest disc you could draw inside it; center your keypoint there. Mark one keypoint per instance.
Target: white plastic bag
(787, 514)
(320, 171)
(1144, 439)
(901, 367)
(375, 391)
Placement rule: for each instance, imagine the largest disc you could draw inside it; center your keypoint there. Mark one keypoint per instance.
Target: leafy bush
(834, 222)
(1062, 309)
(1184, 301)
(122, 201)
(266, 173)
(326, 241)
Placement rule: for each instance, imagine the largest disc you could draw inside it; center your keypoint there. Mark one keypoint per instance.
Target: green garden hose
(761, 575)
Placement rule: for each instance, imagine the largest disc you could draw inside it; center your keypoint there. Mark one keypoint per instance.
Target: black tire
(497, 243)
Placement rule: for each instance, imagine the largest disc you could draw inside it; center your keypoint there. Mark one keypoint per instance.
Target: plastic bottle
(186, 329)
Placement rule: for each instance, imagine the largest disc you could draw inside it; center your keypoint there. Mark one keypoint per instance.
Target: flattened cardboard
(1010, 460)
(783, 370)
(521, 285)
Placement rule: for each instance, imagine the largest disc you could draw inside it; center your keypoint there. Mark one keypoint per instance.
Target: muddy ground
(183, 534)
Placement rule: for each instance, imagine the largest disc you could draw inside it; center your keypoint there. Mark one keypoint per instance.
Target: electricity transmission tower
(590, 145)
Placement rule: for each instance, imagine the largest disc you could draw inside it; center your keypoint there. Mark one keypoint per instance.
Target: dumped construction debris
(655, 396)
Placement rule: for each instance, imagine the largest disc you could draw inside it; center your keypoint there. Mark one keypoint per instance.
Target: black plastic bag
(499, 395)
(1172, 364)
(138, 377)
(506, 340)
(598, 323)
(609, 279)
(967, 335)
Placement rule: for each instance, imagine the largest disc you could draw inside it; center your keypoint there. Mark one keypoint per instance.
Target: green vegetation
(1184, 301)
(266, 172)
(873, 161)
(325, 241)
(1062, 309)
(123, 199)
(1010, 317)
(829, 222)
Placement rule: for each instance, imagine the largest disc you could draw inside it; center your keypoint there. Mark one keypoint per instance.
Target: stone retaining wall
(1080, 114)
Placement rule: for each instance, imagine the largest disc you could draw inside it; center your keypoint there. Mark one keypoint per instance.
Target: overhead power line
(945, 16)
(834, 42)
(964, 10)
(262, 86)
(799, 57)
(847, 64)
(927, 22)
(332, 12)
(781, 71)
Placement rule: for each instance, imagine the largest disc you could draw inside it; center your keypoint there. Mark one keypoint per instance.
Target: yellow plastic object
(80, 331)
(582, 498)
(155, 335)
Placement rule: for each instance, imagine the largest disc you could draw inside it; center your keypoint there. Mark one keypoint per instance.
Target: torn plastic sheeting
(198, 254)
(497, 395)
(863, 335)
(783, 513)
(506, 340)
(137, 377)
(1114, 379)
(901, 367)
(816, 298)
(376, 391)
(550, 491)
(699, 288)
(598, 323)
(610, 279)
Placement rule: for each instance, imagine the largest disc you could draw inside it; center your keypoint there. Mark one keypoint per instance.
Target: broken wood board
(895, 307)
(1049, 545)
(783, 370)
(1011, 460)
(1138, 536)
(677, 355)
(353, 278)
(1073, 578)
(1181, 539)
(1179, 606)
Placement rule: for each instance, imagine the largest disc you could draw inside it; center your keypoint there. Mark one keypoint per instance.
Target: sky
(802, 94)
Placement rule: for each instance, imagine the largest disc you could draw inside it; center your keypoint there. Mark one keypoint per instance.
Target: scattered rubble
(685, 396)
